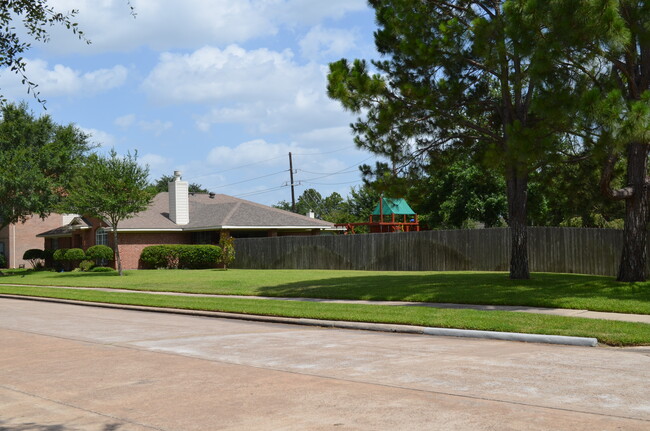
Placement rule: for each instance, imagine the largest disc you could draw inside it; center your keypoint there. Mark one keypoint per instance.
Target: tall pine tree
(461, 73)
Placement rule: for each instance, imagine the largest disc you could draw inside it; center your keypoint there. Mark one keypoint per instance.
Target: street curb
(363, 326)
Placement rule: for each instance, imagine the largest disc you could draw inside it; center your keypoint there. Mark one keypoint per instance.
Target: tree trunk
(517, 191)
(634, 257)
(117, 251)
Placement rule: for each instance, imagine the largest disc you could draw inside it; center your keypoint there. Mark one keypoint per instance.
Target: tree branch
(606, 181)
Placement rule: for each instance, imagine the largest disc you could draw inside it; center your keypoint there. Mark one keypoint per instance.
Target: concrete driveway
(66, 367)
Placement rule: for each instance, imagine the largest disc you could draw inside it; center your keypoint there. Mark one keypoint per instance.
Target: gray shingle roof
(217, 212)
(76, 224)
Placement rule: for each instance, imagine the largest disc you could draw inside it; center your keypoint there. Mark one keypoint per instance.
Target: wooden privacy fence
(551, 249)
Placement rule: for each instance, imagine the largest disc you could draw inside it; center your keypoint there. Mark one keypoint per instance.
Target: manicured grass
(543, 290)
(608, 332)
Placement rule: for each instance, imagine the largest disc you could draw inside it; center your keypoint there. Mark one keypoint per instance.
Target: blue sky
(222, 90)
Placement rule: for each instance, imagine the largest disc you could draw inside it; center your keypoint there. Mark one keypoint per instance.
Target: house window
(55, 243)
(101, 237)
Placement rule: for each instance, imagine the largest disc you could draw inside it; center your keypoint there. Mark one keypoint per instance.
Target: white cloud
(156, 126)
(155, 161)
(170, 24)
(310, 12)
(99, 137)
(263, 89)
(61, 80)
(233, 74)
(250, 152)
(333, 138)
(158, 165)
(125, 121)
(321, 42)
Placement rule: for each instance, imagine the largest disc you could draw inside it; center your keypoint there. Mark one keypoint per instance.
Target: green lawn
(543, 290)
(609, 332)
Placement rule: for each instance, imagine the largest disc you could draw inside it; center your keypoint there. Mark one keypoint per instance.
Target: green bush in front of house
(34, 256)
(157, 256)
(180, 256)
(199, 256)
(86, 265)
(59, 254)
(74, 255)
(99, 252)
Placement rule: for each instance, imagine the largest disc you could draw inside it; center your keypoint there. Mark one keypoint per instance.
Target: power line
(250, 179)
(259, 192)
(347, 171)
(236, 167)
(266, 160)
(341, 171)
(332, 184)
(327, 152)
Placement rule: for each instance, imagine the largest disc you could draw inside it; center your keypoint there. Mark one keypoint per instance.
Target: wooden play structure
(390, 215)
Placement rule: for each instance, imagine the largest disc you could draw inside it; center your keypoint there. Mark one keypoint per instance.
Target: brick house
(17, 238)
(180, 217)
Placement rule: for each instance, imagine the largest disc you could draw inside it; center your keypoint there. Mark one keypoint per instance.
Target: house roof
(77, 223)
(206, 213)
(397, 206)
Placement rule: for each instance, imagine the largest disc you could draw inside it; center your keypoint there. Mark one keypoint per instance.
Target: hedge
(180, 256)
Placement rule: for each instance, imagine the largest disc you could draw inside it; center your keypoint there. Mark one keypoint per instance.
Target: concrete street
(67, 367)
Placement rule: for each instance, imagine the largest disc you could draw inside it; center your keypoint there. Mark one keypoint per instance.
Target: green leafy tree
(360, 203)
(461, 73)
(111, 189)
(38, 158)
(161, 185)
(460, 192)
(330, 208)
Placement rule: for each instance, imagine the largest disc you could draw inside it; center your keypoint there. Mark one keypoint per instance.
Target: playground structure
(390, 215)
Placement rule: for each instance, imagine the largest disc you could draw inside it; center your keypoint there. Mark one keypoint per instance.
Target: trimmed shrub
(99, 252)
(180, 256)
(198, 256)
(59, 254)
(156, 256)
(86, 265)
(74, 255)
(3, 261)
(102, 269)
(33, 255)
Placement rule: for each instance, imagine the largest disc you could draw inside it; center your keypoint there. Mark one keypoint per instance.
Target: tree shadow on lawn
(543, 290)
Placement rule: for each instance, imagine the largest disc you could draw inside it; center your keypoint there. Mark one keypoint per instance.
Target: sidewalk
(639, 318)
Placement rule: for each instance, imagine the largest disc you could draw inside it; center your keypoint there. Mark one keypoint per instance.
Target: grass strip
(608, 332)
(573, 291)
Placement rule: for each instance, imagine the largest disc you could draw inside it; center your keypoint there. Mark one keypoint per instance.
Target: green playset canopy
(397, 206)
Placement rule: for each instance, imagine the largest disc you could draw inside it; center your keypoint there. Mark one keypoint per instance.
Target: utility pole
(293, 194)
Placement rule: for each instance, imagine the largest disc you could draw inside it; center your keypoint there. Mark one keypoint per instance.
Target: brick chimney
(179, 208)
